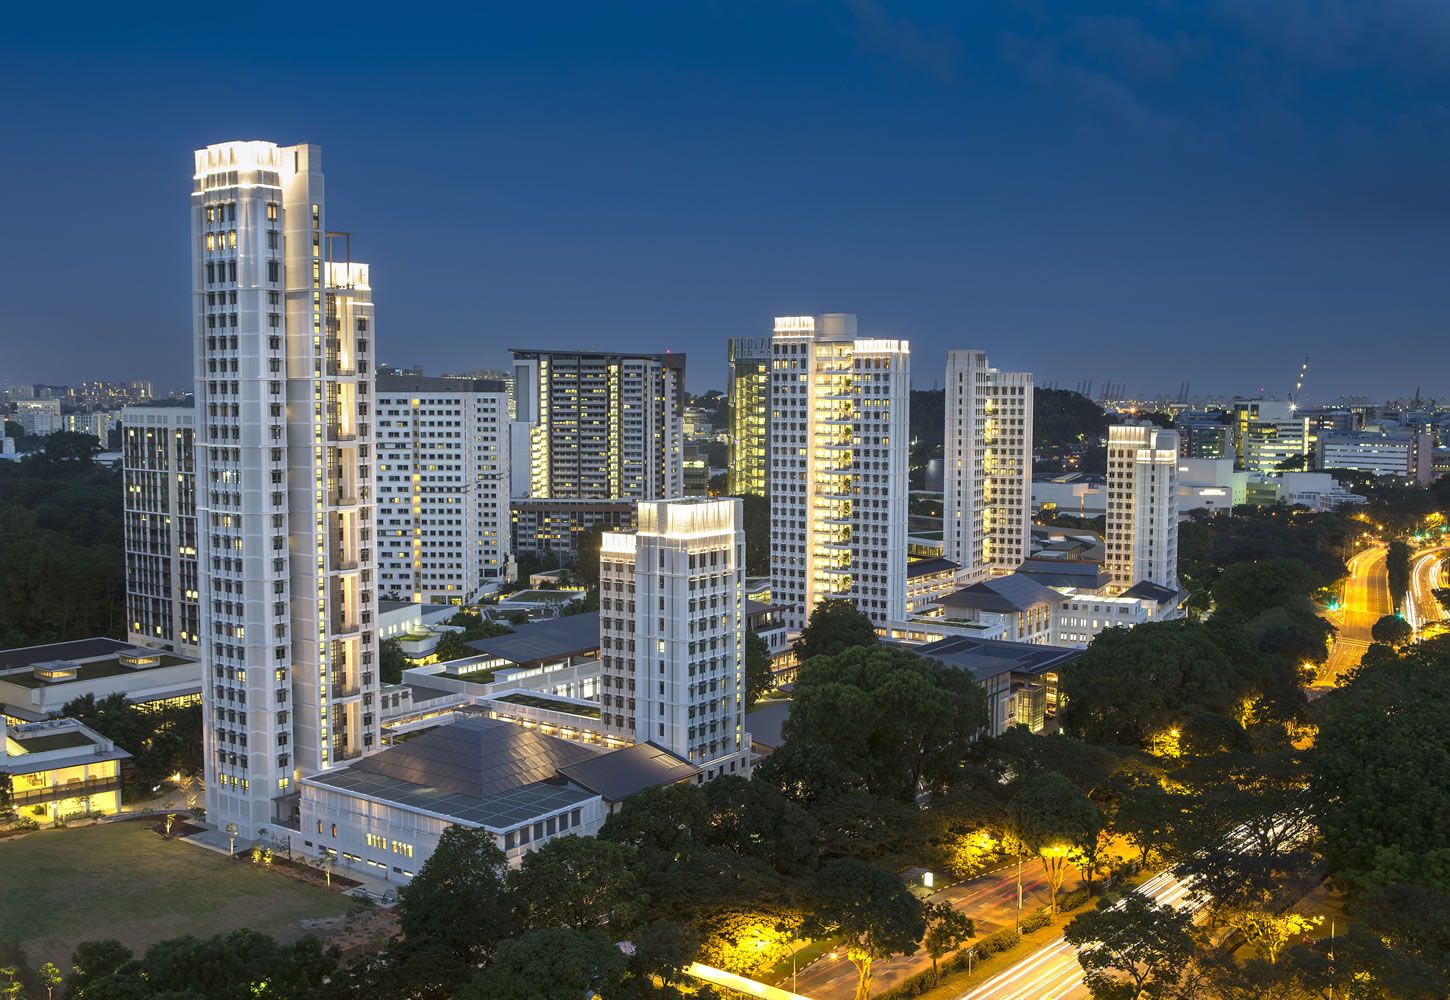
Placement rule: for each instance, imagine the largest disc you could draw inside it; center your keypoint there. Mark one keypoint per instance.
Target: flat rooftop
(545, 640)
(76, 649)
(91, 670)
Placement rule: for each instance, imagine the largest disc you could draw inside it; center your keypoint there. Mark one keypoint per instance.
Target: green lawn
(122, 881)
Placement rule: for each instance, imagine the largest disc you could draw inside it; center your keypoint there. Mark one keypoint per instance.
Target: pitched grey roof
(623, 772)
(1146, 590)
(765, 723)
(544, 640)
(476, 770)
(988, 658)
(1065, 573)
(1006, 594)
(922, 567)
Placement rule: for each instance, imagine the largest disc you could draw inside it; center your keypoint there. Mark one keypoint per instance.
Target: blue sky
(1151, 191)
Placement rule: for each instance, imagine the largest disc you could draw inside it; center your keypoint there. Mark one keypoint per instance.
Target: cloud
(1406, 38)
(1124, 43)
(933, 49)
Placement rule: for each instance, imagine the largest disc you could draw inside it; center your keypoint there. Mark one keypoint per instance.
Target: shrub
(1074, 899)
(999, 941)
(1035, 921)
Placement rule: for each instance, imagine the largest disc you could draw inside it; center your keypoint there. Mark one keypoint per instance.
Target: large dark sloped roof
(621, 773)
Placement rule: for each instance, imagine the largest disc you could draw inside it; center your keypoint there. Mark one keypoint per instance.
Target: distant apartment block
(1407, 455)
(163, 588)
(988, 466)
(442, 488)
(604, 426)
(749, 401)
(838, 456)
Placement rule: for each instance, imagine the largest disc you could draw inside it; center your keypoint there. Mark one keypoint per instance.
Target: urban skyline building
(748, 394)
(284, 470)
(1141, 533)
(158, 455)
(442, 487)
(1269, 433)
(672, 632)
(839, 436)
(603, 425)
(987, 479)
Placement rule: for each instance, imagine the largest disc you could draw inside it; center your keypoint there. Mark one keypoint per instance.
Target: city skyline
(657, 195)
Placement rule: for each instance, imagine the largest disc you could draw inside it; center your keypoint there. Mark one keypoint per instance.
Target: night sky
(1151, 191)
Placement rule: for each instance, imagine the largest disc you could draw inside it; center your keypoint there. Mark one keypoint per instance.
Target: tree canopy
(834, 626)
(872, 911)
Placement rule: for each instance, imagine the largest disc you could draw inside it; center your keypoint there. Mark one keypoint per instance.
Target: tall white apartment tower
(672, 621)
(284, 479)
(443, 487)
(838, 466)
(1142, 522)
(158, 450)
(987, 522)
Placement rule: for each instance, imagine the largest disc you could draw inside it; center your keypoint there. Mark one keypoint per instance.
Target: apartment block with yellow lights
(60, 768)
(603, 425)
(158, 445)
(749, 399)
(839, 442)
(443, 488)
(987, 479)
(283, 333)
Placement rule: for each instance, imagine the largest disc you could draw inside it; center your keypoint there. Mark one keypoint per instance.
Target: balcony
(68, 790)
(344, 564)
(345, 691)
(339, 627)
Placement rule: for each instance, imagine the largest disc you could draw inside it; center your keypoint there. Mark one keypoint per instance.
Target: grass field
(122, 881)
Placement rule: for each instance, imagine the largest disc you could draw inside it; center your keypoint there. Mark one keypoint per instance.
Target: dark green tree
(756, 512)
(557, 963)
(455, 911)
(754, 819)
(577, 882)
(899, 721)
(759, 673)
(94, 960)
(871, 910)
(834, 627)
(947, 929)
(1392, 630)
(391, 662)
(1053, 818)
(1248, 589)
(1397, 565)
(1134, 949)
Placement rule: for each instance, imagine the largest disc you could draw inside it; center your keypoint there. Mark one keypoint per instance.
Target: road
(1366, 601)
(990, 900)
(1052, 972)
(1427, 574)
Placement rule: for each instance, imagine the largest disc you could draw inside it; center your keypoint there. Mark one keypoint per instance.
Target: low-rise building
(383, 814)
(60, 768)
(37, 682)
(1020, 679)
(928, 581)
(1075, 493)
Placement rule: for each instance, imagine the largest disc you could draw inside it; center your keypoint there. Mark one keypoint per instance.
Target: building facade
(749, 397)
(1406, 455)
(442, 488)
(672, 630)
(603, 425)
(163, 590)
(283, 333)
(1270, 435)
(1142, 524)
(838, 468)
(987, 484)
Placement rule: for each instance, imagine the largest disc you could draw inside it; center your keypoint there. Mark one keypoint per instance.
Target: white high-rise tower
(987, 523)
(284, 479)
(838, 465)
(672, 631)
(1142, 523)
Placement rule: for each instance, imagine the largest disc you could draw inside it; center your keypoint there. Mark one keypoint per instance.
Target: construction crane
(1299, 382)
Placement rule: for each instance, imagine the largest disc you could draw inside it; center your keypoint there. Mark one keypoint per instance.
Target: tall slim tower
(749, 397)
(672, 621)
(838, 447)
(1142, 522)
(987, 523)
(282, 319)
